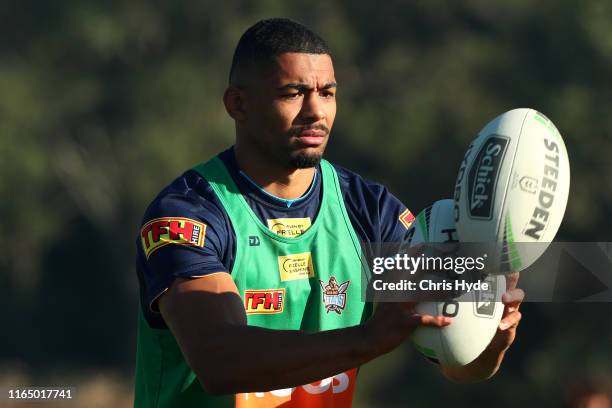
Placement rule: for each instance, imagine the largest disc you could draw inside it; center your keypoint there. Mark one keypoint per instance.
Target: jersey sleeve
(376, 214)
(395, 218)
(183, 234)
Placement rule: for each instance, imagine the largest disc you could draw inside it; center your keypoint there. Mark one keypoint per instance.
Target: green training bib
(311, 282)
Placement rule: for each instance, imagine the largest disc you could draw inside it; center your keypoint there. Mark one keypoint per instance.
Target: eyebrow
(305, 87)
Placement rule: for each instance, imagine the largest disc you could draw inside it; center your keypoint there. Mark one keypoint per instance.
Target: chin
(304, 160)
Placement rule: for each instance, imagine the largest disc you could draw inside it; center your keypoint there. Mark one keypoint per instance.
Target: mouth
(311, 137)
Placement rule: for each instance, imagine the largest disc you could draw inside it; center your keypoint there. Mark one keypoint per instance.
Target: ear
(234, 100)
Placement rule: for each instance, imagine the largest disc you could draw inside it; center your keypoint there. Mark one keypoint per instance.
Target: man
(249, 264)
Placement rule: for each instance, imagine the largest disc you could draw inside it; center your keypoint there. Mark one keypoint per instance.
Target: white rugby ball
(476, 314)
(512, 188)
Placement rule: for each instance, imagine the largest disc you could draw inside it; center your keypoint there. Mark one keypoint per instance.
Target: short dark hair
(267, 39)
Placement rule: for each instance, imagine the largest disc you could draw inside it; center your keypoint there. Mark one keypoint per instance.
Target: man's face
(291, 109)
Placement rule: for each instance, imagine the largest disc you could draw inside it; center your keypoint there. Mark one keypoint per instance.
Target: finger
(513, 297)
(510, 308)
(512, 280)
(429, 320)
(510, 321)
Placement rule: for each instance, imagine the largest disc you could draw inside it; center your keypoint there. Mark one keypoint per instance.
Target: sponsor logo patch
(334, 295)
(335, 391)
(264, 301)
(295, 266)
(171, 230)
(482, 177)
(289, 227)
(406, 218)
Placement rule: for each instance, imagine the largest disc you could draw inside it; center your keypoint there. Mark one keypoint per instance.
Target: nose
(312, 108)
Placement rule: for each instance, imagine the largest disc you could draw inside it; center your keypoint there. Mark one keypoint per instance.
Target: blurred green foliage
(104, 103)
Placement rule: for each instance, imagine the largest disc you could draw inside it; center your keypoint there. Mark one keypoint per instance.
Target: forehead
(313, 69)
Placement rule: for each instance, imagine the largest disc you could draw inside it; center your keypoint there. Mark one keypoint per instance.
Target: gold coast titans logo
(334, 295)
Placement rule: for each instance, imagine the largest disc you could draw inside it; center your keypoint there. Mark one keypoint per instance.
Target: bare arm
(207, 317)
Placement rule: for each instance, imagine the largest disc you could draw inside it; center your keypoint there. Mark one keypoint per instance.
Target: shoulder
(374, 211)
(355, 183)
(186, 209)
(184, 232)
(188, 194)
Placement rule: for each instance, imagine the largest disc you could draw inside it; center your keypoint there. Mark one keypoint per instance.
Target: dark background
(102, 103)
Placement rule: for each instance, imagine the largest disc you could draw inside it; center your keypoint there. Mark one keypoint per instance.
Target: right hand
(391, 323)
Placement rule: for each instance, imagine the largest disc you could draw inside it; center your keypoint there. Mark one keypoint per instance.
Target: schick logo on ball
(483, 175)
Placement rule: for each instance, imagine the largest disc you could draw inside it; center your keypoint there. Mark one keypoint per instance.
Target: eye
(292, 95)
(328, 94)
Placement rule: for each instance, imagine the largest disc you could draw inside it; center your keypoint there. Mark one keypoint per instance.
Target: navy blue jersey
(190, 206)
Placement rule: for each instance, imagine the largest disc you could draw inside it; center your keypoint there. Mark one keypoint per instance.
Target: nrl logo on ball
(334, 295)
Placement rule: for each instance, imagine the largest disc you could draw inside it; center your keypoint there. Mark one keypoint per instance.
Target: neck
(282, 182)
